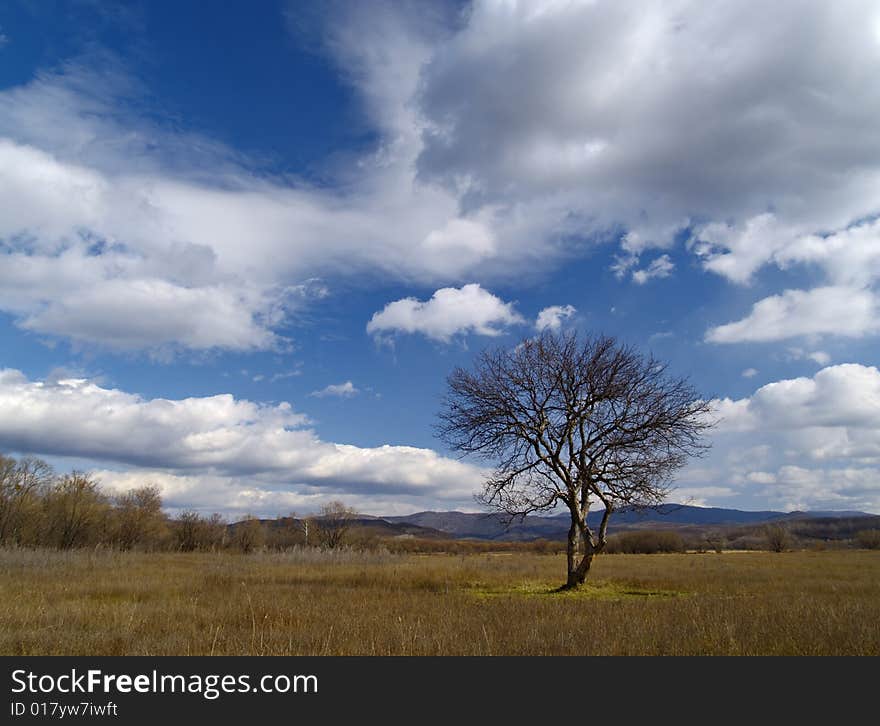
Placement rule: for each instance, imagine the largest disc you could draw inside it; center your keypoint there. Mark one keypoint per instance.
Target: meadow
(347, 602)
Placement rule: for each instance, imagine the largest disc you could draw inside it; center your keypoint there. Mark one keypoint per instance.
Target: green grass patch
(599, 590)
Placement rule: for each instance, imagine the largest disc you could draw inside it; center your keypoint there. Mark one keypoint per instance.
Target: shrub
(75, 512)
(248, 534)
(646, 542)
(716, 541)
(194, 532)
(137, 520)
(778, 537)
(868, 539)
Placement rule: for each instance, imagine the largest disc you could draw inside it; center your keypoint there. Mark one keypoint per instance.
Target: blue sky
(241, 248)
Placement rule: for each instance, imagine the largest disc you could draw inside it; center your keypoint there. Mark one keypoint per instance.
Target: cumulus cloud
(750, 373)
(550, 318)
(449, 312)
(802, 443)
(659, 268)
(260, 495)
(337, 390)
(709, 116)
(209, 253)
(213, 439)
(709, 119)
(840, 311)
(820, 357)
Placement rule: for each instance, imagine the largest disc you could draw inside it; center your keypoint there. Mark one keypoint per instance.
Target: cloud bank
(802, 443)
(220, 439)
(588, 122)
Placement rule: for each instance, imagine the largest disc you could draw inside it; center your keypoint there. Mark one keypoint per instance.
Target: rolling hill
(488, 526)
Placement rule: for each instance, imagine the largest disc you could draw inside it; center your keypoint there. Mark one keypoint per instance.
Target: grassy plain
(308, 602)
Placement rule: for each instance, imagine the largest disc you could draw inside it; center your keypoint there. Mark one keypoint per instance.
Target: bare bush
(138, 520)
(248, 534)
(194, 532)
(333, 523)
(778, 537)
(22, 485)
(645, 543)
(868, 539)
(75, 511)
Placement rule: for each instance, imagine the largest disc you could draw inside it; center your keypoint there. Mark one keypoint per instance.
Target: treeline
(39, 508)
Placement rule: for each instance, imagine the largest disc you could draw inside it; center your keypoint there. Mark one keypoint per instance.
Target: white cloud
(701, 496)
(337, 390)
(638, 119)
(838, 311)
(450, 311)
(551, 317)
(652, 119)
(802, 443)
(211, 254)
(236, 444)
(849, 256)
(260, 495)
(820, 357)
(750, 373)
(647, 115)
(285, 375)
(659, 268)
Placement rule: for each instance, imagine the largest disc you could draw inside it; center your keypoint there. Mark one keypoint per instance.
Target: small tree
(187, 528)
(301, 529)
(868, 539)
(214, 532)
(248, 534)
(333, 523)
(716, 541)
(307, 527)
(138, 518)
(194, 532)
(778, 537)
(22, 483)
(574, 423)
(75, 510)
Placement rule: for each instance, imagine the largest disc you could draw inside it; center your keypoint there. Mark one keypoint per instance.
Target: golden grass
(349, 603)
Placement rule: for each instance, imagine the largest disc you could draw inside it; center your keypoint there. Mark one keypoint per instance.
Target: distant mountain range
(489, 526)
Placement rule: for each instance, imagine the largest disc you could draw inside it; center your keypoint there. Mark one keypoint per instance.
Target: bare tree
(21, 485)
(333, 523)
(574, 422)
(194, 532)
(248, 534)
(75, 510)
(778, 537)
(305, 525)
(138, 518)
(187, 531)
(214, 532)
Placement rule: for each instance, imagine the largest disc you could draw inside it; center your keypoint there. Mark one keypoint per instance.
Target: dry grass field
(309, 602)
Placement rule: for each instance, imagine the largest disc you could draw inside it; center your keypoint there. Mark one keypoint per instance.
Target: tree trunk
(571, 552)
(577, 569)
